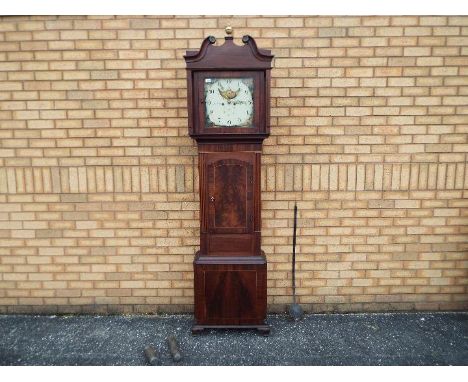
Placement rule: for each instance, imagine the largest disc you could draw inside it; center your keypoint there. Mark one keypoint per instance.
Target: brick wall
(98, 177)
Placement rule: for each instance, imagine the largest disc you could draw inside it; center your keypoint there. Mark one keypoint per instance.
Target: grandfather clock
(228, 115)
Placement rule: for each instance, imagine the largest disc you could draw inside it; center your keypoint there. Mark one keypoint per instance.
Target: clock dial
(229, 102)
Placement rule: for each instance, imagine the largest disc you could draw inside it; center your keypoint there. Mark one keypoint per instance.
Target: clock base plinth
(230, 292)
(262, 329)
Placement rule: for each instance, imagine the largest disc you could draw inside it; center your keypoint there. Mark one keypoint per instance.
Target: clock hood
(228, 60)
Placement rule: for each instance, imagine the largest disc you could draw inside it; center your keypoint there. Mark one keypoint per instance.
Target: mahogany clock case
(230, 269)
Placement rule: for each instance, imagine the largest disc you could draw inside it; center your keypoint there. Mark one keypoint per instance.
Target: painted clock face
(229, 102)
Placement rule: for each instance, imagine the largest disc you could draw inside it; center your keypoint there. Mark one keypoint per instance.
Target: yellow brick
(99, 181)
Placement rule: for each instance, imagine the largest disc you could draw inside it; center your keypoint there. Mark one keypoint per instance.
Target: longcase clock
(228, 114)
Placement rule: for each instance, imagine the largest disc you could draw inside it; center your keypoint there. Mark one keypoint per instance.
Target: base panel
(230, 292)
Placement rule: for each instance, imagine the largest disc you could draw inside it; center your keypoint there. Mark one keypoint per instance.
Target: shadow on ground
(335, 339)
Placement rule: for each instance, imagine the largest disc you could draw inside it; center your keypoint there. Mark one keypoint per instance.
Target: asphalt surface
(319, 339)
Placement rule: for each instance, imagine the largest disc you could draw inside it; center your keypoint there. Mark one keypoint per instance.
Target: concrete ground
(319, 339)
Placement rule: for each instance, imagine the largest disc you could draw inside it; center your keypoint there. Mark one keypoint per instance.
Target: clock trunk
(228, 185)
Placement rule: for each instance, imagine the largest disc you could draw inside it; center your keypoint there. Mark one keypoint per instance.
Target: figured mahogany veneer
(230, 291)
(230, 268)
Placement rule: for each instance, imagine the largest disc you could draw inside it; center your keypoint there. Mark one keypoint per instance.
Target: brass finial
(228, 30)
